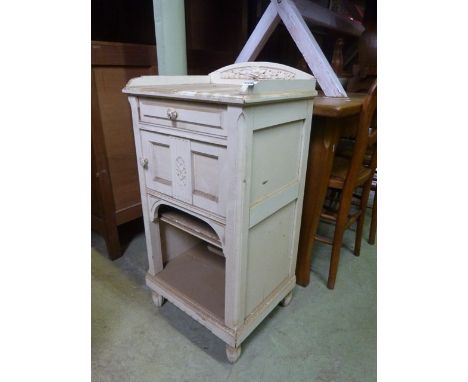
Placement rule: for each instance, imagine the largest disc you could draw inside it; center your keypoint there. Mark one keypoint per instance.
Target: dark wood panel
(115, 193)
(103, 198)
(117, 54)
(117, 129)
(129, 213)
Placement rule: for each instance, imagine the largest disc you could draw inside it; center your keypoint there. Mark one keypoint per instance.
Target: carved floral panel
(257, 73)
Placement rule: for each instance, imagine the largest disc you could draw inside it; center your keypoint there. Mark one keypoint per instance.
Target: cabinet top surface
(245, 83)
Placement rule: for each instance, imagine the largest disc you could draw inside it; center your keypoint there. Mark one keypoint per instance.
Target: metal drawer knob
(172, 114)
(144, 162)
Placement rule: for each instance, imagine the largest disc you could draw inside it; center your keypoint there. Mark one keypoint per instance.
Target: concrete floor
(321, 336)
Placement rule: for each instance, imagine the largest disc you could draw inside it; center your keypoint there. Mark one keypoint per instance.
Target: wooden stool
(348, 174)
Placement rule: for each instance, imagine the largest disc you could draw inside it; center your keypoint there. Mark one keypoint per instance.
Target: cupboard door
(208, 176)
(187, 170)
(157, 162)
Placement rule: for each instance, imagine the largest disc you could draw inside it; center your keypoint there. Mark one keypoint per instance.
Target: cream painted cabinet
(222, 162)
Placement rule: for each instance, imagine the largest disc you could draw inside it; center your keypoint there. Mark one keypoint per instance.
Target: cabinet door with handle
(156, 161)
(188, 170)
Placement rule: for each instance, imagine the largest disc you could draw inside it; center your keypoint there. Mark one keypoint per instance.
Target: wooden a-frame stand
(292, 13)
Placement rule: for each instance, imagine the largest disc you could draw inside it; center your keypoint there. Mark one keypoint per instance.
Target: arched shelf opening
(193, 259)
(189, 224)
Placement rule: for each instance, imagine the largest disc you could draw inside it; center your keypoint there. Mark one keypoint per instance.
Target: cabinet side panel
(269, 255)
(275, 187)
(275, 159)
(302, 177)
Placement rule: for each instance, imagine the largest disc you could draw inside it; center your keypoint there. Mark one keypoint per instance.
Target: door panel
(208, 163)
(157, 161)
(187, 170)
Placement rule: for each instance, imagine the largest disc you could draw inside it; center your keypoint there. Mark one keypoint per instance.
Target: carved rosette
(257, 73)
(180, 170)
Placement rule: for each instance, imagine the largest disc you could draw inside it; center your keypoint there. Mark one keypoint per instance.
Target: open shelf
(190, 224)
(197, 276)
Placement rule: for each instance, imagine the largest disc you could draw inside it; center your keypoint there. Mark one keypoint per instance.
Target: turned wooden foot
(157, 299)
(233, 354)
(286, 300)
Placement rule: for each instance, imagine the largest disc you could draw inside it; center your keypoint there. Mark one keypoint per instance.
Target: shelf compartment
(197, 276)
(191, 225)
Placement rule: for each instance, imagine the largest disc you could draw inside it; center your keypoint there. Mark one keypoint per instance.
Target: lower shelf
(197, 275)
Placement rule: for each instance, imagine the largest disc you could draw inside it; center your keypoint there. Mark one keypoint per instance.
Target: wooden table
(332, 118)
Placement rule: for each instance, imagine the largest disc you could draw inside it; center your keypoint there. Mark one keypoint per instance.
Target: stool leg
(373, 226)
(362, 216)
(340, 227)
(336, 250)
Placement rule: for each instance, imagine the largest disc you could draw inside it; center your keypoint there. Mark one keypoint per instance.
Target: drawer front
(187, 170)
(201, 118)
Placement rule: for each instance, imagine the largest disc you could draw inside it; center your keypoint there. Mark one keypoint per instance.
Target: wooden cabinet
(222, 161)
(114, 176)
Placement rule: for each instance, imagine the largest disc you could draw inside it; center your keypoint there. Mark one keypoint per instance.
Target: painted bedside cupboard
(222, 163)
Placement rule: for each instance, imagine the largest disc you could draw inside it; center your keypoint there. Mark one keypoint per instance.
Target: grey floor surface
(321, 336)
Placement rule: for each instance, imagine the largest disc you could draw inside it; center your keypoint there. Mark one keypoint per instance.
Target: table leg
(323, 140)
